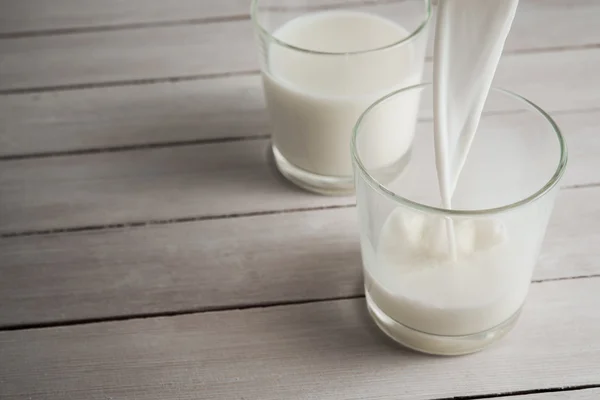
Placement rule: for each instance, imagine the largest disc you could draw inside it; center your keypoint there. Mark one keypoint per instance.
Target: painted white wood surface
(590, 394)
(552, 17)
(191, 181)
(325, 350)
(132, 115)
(229, 263)
(47, 15)
(170, 112)
(218, 48)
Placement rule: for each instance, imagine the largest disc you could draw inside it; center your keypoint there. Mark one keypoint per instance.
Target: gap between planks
(133, 147)
(138, 224)
(251, 306)
(175, 22)
(522, 393)
(127, 82)
(108, 168)
(184, 78)
(217, 140)
(300, 346)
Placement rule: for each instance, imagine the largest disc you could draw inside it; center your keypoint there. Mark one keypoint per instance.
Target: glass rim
(263, 31)
(382, 190)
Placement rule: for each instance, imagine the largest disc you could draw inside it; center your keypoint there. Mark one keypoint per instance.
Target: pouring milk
(430, 275)
(469, 39)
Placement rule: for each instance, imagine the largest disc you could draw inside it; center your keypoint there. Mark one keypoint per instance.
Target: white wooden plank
(124, 55)
(574, 23)
(180, 182)
(41, 15)
(583, 144)
(132, 115)
(158, 184)
(168, 51)
(327, 350)
(228, 263)
(233, 106)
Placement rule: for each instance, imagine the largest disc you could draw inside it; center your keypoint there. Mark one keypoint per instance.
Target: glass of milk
(323, 62)
(416, 291)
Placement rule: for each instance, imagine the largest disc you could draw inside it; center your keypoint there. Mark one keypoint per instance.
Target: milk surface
(465, 276)
(314, 100)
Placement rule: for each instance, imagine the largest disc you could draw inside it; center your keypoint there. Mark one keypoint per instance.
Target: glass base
(322, 184)
(333, 185)
(438, 344)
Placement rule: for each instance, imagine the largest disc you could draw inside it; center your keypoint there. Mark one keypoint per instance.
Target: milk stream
(469, 38)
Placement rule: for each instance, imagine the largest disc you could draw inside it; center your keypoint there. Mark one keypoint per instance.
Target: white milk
(469, 39)
(412, 279)
(469, 276)
(315, 100)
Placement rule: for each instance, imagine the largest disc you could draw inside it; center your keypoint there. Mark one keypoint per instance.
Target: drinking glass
(415, 291)
(323, 62)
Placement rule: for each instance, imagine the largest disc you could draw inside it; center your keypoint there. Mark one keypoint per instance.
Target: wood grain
(326, 350)
(192, 181)
(233, 107)
(221, 179)
(132, 115)
(228, 263)
(126, 55)
(190, 50)
(44, 15)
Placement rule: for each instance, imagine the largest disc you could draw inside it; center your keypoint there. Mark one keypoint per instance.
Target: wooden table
(149, 250)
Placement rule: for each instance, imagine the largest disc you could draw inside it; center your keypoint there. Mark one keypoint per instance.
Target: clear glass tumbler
(416, 292)
(323, 63)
